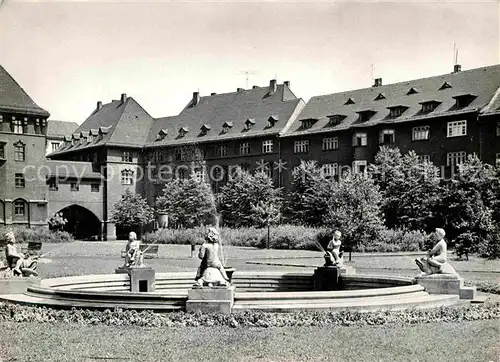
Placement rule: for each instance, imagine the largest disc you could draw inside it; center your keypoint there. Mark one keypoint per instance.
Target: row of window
(20, 126)
(74, 186)
(19, 151)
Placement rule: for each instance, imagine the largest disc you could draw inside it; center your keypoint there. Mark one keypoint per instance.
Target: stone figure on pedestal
(211, 271)
(134, 257)
(333, 256)
(436, 260)
(18, 263)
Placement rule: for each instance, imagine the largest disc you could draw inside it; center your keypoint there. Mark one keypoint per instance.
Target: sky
(69, 55)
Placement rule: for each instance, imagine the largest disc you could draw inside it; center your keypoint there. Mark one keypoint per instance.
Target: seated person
(332, 256)
(209, 255)
(15, 260)
(133, 252)
(437, 256)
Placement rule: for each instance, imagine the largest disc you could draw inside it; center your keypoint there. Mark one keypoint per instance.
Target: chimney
(123, 98)
(196, 98)
(378, 82)
(272, 86)
(239, 89)
(287, 83)
(99, 105)
(213, 93)
(457, 68)
(255, 86)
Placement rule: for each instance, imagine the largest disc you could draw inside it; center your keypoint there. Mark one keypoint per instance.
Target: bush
(24, 234)
(396, 240)
(292, 237)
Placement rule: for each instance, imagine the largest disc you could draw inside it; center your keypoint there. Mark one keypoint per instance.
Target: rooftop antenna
(455, 54)
(247, 74)
(372, 71)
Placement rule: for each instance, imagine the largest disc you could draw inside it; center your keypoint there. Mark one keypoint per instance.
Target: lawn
(466, 341)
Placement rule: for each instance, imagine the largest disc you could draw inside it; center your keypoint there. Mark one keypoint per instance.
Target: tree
(241, 192)
(410, 188)
(132, 211)
(354, 209)
(267, 213)
(57, 222)
(188, 202)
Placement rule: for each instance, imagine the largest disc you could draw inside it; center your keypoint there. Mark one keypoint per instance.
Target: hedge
(44, 235)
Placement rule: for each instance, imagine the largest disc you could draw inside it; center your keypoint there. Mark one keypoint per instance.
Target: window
(424, 158)
(464, 100)
(127, 177)
(307, 123)
(90, 138)
(359, 140)
(244, 148)
(455, 158)
(17, 126)
(271, 121)
(301, 146)
(364, 116)
(268, 170)
(249, 123)
(199, 175)
(330, 143)
(157, 156)
(52, 184)
(397, 111)
(74, 186)
(2, 151)
(386, 136)
(329, 169)
(19, 180)
(456, 129)
(226, 127)
(428, 107)
(497, 160)
(19, 208)
(335, 119)
(221, 150)
(183, 131)
(178, 154)
(127, 156)
(19, 151)
(267, 146)
(55, 146)
(498, 128)
(359, 166)
(181, 173)
(420, 133)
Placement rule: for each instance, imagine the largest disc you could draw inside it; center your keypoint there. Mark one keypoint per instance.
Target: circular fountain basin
(268, 291)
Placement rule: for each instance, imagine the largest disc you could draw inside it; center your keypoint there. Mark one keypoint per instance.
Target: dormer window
(249, 123)
(429, 106)
(379, 97)
(227, 126)
(271, 121)
(90, 138)
(308, 123)
(445, 85)
(335, 119)
(161, 135)
(364, 116)
(396, 111)
(204, 129)
(411, 91)
(463, 100)
(183, 131)
(349, 101)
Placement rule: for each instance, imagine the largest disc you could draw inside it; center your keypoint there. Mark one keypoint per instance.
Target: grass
(72, 342)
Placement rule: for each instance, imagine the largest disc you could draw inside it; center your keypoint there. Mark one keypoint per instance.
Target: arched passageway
(82, 223)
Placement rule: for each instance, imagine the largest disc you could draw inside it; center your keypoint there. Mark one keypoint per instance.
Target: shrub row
(485, 286)
(119, 317)
(289, 237)
(24, 234)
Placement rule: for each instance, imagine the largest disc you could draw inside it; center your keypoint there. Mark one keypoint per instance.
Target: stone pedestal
(17, 285)
(347, 270)
(446, 284)
(142, 280)
(210, 300)
(327, 278)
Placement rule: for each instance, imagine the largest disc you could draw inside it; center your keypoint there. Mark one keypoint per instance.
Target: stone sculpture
(211, 272)
(333, 256)
(18, 264)
(134, 257)
(436, 262)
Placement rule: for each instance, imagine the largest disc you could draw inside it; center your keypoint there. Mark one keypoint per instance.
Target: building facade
(56, 130)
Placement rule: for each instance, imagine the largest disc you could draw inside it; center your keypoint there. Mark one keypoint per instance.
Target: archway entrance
(82, 223)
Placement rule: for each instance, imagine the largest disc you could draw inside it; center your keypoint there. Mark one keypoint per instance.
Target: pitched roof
(481, 83)
(121, 123)
(14, 99)
(232, 108)
(60, 128)
(71, 170)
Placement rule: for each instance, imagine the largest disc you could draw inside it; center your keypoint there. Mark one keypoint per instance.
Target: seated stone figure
(211, 271)
(20, 264)
(134, 257)
(333, 255)
(436, 260)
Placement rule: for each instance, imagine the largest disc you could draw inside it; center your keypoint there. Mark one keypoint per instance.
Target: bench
(151, 252)
(34, 248)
